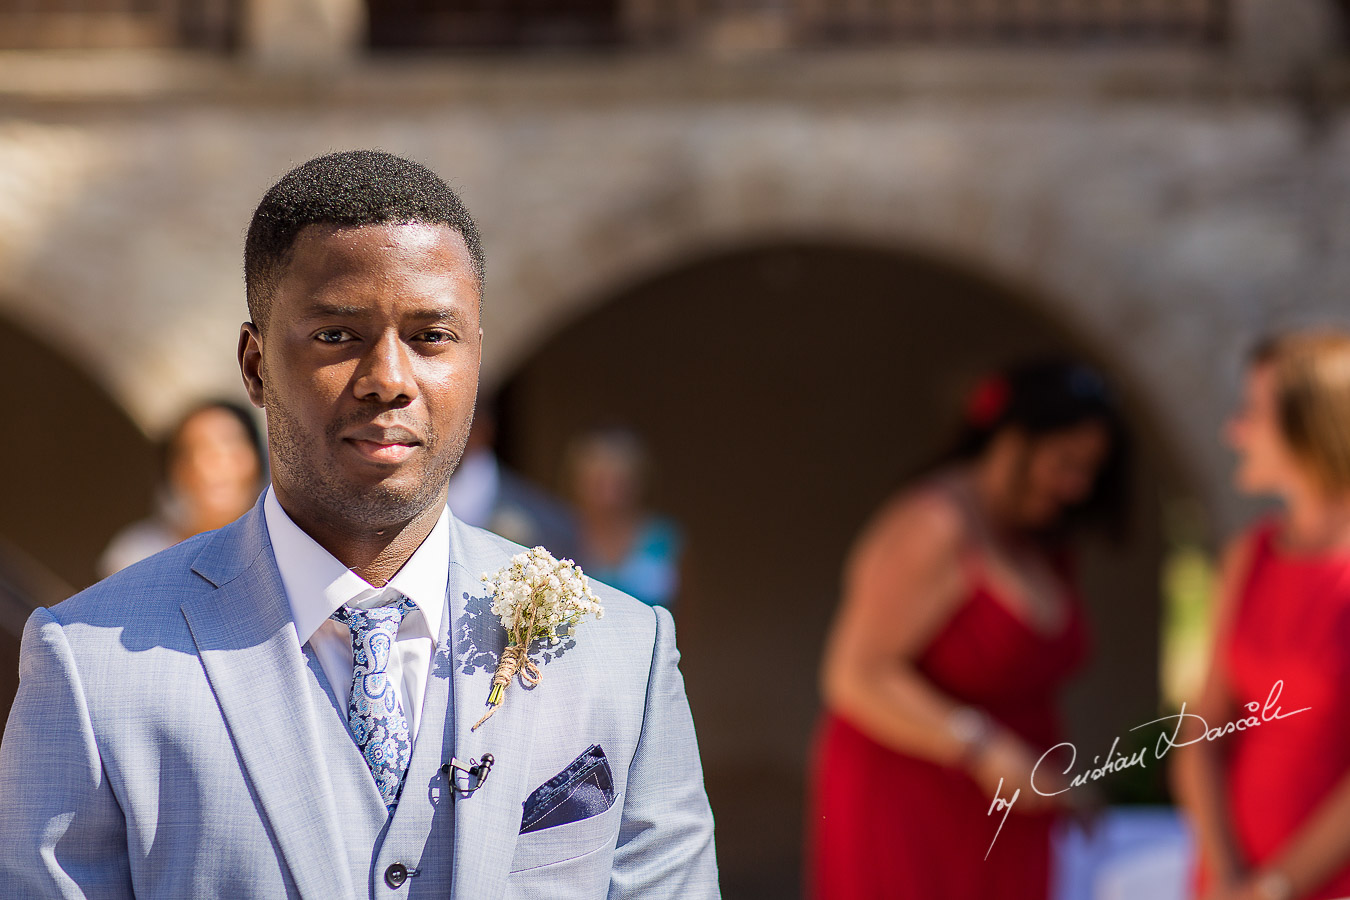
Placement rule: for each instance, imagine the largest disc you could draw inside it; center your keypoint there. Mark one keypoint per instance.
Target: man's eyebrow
(324, 310)
(321, 310)
(437, 314)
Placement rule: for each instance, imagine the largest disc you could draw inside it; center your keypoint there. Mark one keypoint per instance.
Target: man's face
(368, 372)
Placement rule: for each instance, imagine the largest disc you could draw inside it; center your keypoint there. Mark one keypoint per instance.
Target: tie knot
(376, 618)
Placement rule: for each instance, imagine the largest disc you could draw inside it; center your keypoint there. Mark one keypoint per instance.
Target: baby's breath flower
(537, 597)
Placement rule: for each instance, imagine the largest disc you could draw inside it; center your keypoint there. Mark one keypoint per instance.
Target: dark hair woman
(212, 468)
(959, 623)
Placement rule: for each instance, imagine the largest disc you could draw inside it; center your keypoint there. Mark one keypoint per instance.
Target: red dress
(1292, 625)
(888, 826)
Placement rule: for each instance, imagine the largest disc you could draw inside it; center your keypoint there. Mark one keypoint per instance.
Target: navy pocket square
(584, 789)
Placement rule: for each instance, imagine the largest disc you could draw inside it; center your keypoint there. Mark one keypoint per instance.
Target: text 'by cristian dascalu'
(1260, 714)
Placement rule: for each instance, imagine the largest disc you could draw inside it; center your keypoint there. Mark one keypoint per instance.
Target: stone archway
(784, 388)
(76, 468)
(1171, 228)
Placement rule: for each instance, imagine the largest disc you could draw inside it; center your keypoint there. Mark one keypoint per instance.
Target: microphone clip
(474, 774)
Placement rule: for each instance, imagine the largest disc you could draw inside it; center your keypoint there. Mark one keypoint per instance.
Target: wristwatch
(1274, 885)
(973, 728)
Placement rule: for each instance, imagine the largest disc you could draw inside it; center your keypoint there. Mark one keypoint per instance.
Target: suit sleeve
(62, 832)
(665, 847)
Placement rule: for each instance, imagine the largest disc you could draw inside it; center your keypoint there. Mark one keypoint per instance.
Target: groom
(283, 707)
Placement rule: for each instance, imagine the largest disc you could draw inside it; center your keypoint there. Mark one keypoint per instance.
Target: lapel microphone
(475, 773)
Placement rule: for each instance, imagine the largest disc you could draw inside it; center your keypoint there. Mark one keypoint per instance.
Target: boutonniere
(537, 597)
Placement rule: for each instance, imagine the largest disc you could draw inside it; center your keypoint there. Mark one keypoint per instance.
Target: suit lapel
(248, 646)
(487, 822)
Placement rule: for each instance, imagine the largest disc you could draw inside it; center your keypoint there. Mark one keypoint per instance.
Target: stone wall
(1158, 206)
(1157, 211)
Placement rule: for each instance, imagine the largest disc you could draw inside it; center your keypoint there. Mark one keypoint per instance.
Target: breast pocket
(573, 841)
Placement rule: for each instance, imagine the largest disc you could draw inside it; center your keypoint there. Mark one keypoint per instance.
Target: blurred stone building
(779, 238)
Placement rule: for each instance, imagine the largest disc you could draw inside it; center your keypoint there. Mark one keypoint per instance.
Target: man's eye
(331, 336)
(437, 336)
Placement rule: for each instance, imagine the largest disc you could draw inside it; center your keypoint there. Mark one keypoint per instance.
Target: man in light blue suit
(283, 708)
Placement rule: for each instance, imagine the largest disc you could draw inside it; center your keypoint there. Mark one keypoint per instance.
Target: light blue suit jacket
(172, 739)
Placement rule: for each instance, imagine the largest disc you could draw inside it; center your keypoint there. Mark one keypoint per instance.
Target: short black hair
(347, 189)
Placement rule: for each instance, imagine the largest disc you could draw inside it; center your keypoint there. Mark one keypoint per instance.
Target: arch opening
(783, 389)
(75, 468)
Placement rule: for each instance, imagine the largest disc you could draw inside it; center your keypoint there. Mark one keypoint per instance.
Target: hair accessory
(988, 401)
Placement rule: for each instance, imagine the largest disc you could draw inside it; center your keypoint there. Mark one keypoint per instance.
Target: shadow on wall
(25, 585)
(75, 470)
(782, 391)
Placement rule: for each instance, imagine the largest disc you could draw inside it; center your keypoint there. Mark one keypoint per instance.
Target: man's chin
(388, 502)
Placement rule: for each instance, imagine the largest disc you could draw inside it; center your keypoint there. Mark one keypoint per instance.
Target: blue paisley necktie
(374, 712)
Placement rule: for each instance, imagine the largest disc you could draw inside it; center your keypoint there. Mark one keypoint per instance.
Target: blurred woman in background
(959, 623)
(212, 471)
(621, 542)
(1271, 804)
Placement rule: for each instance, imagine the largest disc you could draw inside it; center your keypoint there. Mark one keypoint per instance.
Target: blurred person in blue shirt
(622, 543)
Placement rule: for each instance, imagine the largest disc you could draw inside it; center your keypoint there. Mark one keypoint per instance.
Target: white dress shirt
(317, 584)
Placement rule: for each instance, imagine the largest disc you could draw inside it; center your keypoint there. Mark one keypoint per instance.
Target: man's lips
(384, 445)
(384, 453)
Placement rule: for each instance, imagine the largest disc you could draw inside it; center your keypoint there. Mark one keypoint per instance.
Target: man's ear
(250, 362)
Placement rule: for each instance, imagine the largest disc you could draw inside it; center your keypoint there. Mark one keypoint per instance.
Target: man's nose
(386, 373)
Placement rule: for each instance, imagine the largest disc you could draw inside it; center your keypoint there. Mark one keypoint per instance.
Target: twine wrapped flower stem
(537, 597)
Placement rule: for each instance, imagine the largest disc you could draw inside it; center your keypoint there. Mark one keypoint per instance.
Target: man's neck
(374, 554)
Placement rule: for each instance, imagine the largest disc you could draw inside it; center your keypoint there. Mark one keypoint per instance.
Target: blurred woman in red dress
(1271, 803)
(959, 623)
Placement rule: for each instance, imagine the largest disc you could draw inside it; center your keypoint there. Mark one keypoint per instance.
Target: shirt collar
(317, 583)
